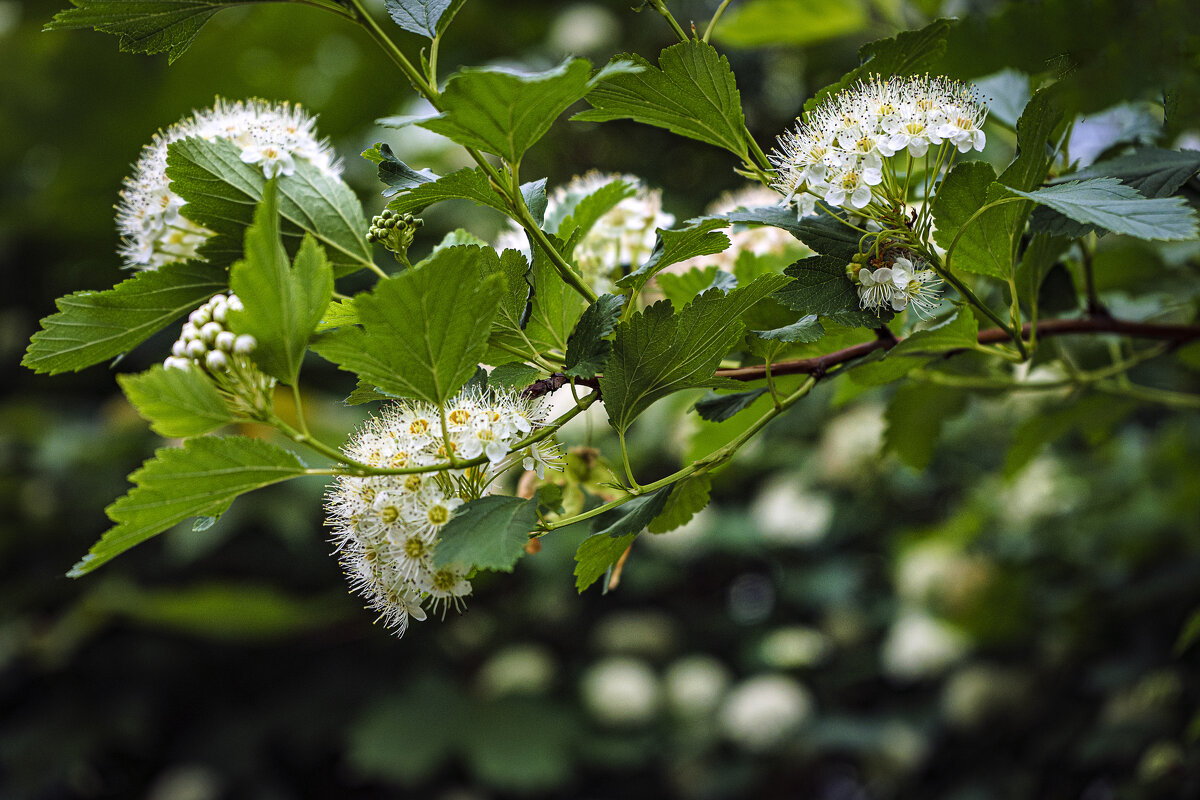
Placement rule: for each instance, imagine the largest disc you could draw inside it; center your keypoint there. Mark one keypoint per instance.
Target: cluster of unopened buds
(394, 231)
(386, 527)
(837, 153)
(207, 342)
(905, 281)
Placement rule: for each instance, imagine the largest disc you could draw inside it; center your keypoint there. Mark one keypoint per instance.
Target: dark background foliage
(953, 633)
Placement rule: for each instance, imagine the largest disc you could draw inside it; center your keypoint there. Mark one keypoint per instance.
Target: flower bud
(174, 362)
(189, 332)
(200, 316)
(235, 304)
(210, 330)
(179, 349)
(196, 349)
(245, 344)
(216, 361)
(220, 312)
(225, 341)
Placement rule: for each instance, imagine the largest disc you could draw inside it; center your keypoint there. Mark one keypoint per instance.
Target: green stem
(716, 16)
(711, 461)
(661, 7)
(394, 53)
(634, 486)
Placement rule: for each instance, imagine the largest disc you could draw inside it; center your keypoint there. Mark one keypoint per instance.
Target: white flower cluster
(622, 237)
(271, 135)
(837, 154)
(206, 341)
(898, 287)
(761, 240)
(386, 527)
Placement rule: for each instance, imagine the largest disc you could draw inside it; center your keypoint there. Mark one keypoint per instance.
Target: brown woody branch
(819, 365)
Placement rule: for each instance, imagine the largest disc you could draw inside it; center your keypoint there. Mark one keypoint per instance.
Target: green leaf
(657, 353)
(790, 22)
(199, 479)
(91, 327)
(822, 287)
(907, 53)
(597, 554)
(488, 533)
(222, 192)
(960, 332)
(692, 93)
(282, 304)
(689, 497)
(423, 332)
(1154, 172)
(515, 375)
(680, 244)
(1039, 257)
(500, 111)
(365, 393)
(1189, 634)
(885, 368)
(144, 26)
(805, 330)
(176, 402)
(556, 306)
(985, 247)
(424, 17)
(720, 407)
(587, 347)
(397, 175)
(681, 288)
(465, 184)
(1118, 208)
(914, 420)
(337, 314)
(822, 232)
(508, 329)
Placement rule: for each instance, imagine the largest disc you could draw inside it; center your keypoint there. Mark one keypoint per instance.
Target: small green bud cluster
(206, 341)
(394, 231)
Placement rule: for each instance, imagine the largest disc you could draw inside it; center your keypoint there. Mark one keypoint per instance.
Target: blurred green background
(836, 626)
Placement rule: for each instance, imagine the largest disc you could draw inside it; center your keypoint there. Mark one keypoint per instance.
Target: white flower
(541, 456)
(898, 287)
(764, 712)
(272, 135)
(386, 528)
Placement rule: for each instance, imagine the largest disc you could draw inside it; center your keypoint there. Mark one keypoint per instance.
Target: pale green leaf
(985, 246)
(689, 498)
(804, 330)
(692, 93)
(679, 244)
(91, 327)
(615, 532)
(282, 304)
(200, 478)
(1108, 203)
(960, 332)
(423, 332)
(176, 402)
(790, 22)
(465, 184)
(914, 419)
(222, 192)
(424, 17)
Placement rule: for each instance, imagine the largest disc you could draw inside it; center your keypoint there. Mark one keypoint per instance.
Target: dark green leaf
(397, 175)
(500, 111)
(200, 478)
(1108, 203)
(657, 353)
(985, 247)
(176, 402)
(144, 26)
(465, 184)
(365, 393)
(534, 194)
(692, 93)
(885, 369)
(680, 244)
(720, 407)
(91, 327)
(616, 531)
(915, 417)
(822, 287)
(423, 17)
(488, 533)
(282, 304)
(1042, 253)
(424, 331)
(516, 375)
(907, 53)
(588, 347)
(222, 192)
(689, 497)
(1154, 172)
(823, 233)
(1093, 415)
